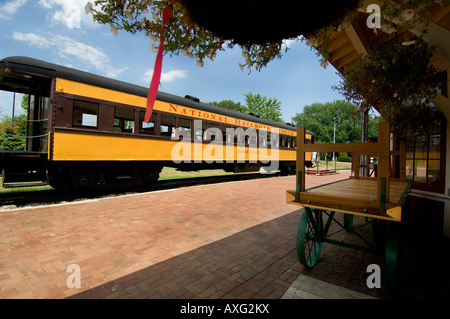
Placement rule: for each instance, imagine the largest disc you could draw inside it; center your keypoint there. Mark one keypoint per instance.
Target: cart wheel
(391, 256)
(308, 244)
(348, 222)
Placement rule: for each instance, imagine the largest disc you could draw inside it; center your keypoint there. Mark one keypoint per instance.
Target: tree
(199, 29)
(231, 105)
(398, 82)
(320, 118)
(267, 108)
(12, 131)
(264, 107)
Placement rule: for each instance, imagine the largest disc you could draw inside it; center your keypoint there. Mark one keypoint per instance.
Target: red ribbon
(153, 90)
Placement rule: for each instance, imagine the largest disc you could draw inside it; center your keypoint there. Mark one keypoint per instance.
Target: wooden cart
(380, 199)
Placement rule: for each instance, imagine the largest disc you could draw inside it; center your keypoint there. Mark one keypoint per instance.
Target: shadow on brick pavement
(261, 263)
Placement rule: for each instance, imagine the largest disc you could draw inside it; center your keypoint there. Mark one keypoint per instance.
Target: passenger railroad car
(88, 131)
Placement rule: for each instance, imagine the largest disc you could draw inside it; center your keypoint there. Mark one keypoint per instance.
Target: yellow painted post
(300, 167)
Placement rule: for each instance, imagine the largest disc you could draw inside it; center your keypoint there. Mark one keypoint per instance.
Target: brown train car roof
(41, 68)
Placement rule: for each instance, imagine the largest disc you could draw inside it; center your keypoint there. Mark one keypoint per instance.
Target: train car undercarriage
(21, 169)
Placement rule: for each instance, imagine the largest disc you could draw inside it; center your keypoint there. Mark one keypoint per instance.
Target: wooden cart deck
(353, 196)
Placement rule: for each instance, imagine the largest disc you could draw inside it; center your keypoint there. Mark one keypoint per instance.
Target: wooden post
(301, 132)
(356, 157)
(402, 163)
(383, 160)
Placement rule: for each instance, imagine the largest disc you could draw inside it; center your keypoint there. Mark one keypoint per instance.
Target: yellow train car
(88, 131)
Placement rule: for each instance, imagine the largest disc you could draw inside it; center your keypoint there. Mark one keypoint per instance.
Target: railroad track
(50, 197)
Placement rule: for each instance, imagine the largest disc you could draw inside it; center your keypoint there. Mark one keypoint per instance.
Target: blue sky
(59, 31)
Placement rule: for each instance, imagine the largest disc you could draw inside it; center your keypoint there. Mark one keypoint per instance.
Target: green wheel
(348, 222)
(308, 244)
(391, 256)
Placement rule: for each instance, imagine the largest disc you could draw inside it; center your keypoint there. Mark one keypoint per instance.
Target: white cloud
(32, 39)
(70, 13)
(11, 7)
(166, 76)
(82, 54)
(289, 42)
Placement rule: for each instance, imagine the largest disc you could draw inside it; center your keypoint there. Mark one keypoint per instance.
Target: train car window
(251, 137)
(185, 124)
(285, 141)
(147, 128)
(263, 138)
(254, 138)
(123, 119)
(85, 114)
(237, 136)
(276, 141)
(212, 133)
(291, 142)
(226, 135)
(199, 132)
(167, 125)
(185, 127)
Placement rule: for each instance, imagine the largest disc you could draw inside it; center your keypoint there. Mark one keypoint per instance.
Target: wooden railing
(380, 149)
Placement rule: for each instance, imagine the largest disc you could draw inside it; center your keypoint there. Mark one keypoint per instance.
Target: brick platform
(231, 240)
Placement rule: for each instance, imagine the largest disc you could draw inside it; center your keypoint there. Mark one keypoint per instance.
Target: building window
(85, 114)
(423, 154)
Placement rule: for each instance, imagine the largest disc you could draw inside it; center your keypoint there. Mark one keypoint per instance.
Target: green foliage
(395, 16)
(24, 103)
(320, 118)
(343, 157)
(266, 108)
(181, 35)
(397, 80)
(10, 130)
(231, 105)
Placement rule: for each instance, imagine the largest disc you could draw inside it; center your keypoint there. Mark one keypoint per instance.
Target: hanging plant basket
(397, 80)
(248, 22)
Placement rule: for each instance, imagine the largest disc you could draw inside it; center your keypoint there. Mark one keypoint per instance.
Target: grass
(332, 165)
(22, 189)
(166, 174)
(172, 173)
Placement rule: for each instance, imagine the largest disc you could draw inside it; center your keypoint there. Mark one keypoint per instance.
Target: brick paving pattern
(231, 240)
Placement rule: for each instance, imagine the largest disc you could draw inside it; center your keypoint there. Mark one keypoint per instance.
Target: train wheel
(309, 244)
(151, 175)
(64, 184)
